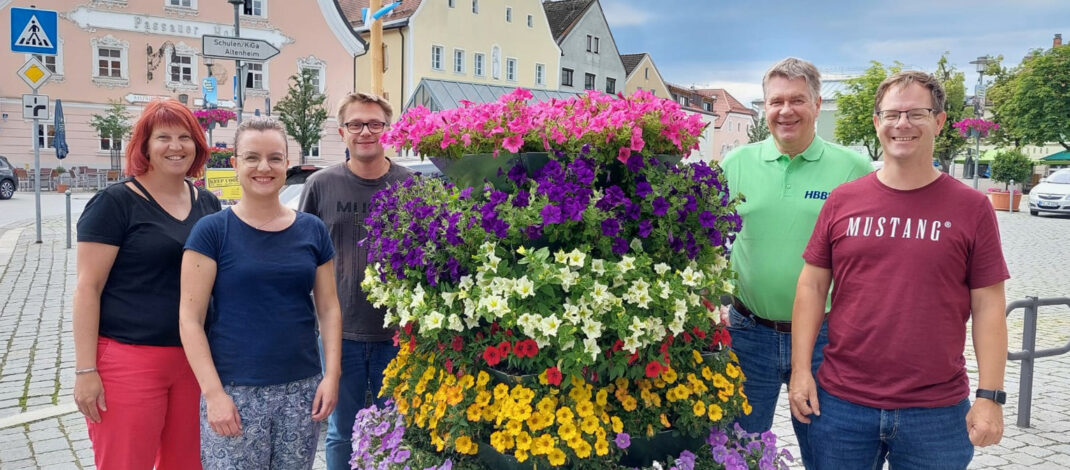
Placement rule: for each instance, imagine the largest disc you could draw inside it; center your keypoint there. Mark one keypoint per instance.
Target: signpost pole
(237, 63)
(37, 172)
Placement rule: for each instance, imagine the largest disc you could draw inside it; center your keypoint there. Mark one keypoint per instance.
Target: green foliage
(759, 131)
(1032, 102)
(1011, 165)
(114, 123)
(302, 110)
(220, 157)
(949, 142)
(854, 123)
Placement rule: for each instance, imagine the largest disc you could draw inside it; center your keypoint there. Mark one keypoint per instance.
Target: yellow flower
(746, 407)
(669, 375)
(707, 373)
(467, 381)
(465, 445)
(482, 379)
(664, 420)
(723, 396)
(622, 383)
(732, 355)
(542, 444)
(732, 370)
(513, 427)
(589, 424)
(483, 397)
(628, 403)
(660, 382)
(697, 356)
(523, 441)
(600, 398)
(475, 412)
(601, 447)
(715, 412)
(453, 396)
(566, 430)
(501, 391)
(584, 409)
(699, 408)
(564, 415)
(521, 455)
(547, 405)
(557, 457)
(617, 425)
(583, 449)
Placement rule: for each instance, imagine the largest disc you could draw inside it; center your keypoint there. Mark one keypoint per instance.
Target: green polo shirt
(783, 197)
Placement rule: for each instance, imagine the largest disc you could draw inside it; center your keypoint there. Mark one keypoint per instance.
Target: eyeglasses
(915, 116)
(252, 160)
(374, 127)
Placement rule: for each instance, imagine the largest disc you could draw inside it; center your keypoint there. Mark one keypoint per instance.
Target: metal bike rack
(1029, 353)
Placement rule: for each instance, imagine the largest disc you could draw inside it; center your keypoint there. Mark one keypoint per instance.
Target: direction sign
(35, 107)
(224, 47)
(34, 73)
(33, 31)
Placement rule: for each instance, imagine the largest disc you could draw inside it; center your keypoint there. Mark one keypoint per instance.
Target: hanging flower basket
(217, 116)
(975, 127)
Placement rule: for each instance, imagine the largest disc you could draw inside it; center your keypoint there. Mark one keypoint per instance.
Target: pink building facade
(734, 121)
(133, 51)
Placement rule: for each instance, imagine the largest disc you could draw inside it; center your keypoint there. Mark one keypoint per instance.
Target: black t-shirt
(139, 304)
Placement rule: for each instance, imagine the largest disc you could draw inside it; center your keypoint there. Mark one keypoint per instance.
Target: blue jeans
(362, 372)
(848, 436)
(765, 358)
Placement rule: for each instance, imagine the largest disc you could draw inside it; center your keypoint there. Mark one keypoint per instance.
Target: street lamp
(979, 110)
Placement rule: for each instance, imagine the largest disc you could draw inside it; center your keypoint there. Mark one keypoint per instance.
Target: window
(108, 143)
(256, 8)
(508, 15)
(680, 99)
(109, 62)
(475, 6)
(706, 106)
(588, 81)
(48, 60)
(510, 69)
(182, 3)
(566, 77)
(611, 85)
(317, 77)
(451, 3)
(477, 64)
(45, 134)
(313, 151)
(254, 75)
(182, 69)
(436, 57)
(319, 69)
(496, 62)
(592, 44)
(540, 74)
(531, 21)
(646, 73)
(458, 61)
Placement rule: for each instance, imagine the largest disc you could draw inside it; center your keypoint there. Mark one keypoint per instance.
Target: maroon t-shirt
(903, 264)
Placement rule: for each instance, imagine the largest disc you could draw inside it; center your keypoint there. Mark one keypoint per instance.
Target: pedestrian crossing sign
(33, 31)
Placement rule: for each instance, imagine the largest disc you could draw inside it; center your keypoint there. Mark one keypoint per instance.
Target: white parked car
(1052, 194)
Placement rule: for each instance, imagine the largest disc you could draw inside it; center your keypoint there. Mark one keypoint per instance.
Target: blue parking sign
(33, 31)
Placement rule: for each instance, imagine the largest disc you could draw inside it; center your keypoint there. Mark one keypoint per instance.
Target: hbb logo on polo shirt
(816, 195)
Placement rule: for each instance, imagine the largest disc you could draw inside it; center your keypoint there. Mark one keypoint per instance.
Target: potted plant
(1007, 166)
(559, 315)
(213, 116)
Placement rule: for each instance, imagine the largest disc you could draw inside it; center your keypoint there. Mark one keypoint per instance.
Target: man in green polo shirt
(784, 180)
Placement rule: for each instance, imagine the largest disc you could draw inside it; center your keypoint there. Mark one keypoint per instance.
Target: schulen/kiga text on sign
(223, 47)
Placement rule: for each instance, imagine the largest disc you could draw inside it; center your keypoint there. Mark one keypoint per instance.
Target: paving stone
(55, 457)
(50, 445)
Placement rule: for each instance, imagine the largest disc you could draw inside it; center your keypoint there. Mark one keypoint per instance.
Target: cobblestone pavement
(39, 427)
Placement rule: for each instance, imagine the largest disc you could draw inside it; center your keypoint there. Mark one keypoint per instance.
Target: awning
(986, 157)
(1058, 158)
(437, 95)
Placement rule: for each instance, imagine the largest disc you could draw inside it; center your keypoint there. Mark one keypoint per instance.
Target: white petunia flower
(661, 268)
(561, 257)
(590, 346)
(453, 322)
(550, 324)
(627, 263)
(524, 287)
(598, 266)
(576, 258)
(433, 321)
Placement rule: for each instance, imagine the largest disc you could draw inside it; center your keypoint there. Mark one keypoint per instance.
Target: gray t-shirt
(343, 200)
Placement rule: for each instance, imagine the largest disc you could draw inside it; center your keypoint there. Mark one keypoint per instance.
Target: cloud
(745, 92)
(621, 15)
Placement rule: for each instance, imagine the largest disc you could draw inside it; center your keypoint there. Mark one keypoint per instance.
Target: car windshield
(1060, 177)
(291, 195)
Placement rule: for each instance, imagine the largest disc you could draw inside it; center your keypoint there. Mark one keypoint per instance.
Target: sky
(722, 44)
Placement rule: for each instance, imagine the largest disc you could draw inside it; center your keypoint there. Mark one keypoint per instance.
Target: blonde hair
(936, 89)
(388, 111)
(262, 124)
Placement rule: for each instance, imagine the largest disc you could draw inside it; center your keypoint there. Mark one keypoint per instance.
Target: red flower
(492, 355)
(504, 347)
(653, 369)
(397, 338)
(526, 348)
(449, 365)
(458, 343)
(509, 333)
(553, 376)
(618, 345)
(687, 337)
(634, 357)
(441, 347)
(701, 334)
(408, 328)
(722, 337)
(412, 344)
(494, 327)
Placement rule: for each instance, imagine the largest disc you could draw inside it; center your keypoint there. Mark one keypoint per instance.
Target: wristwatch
(998, 396)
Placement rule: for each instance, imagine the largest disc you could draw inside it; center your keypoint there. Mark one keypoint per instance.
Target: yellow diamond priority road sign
(34, 73)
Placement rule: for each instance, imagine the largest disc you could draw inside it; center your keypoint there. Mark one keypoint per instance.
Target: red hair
(164, 112)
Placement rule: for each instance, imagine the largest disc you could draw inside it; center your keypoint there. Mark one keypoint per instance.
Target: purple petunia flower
(610, 227)
(707, 219)
(518, 174)
(635, 163)
(623, 440)
(551, 214)
(645, 227)
(643, 189)
(661, 206)
(620, 246)
(521, 199)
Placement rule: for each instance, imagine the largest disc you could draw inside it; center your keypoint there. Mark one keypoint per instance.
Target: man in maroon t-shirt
(912, 253)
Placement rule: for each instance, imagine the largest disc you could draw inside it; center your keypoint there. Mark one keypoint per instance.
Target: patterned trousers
(277, 428)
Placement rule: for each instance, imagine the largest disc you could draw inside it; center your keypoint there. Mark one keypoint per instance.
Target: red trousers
(153, 417)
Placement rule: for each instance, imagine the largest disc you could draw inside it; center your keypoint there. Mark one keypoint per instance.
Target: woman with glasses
(258, 364)
(132, 381)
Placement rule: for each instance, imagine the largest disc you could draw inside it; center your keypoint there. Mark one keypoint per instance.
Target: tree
(1011, 165)
(949, 142)
(854, 122)
(1034, 104)
(113, 124)
(759, 130)
(302, 110)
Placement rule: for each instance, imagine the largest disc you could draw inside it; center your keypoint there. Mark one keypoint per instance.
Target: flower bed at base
(584, 283)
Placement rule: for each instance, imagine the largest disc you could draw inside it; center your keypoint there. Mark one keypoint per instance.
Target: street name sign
(34, 73)
(223, 47)
(33, 31)
(35, 107)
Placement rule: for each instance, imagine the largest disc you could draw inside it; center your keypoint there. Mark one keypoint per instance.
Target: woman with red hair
(133, 383)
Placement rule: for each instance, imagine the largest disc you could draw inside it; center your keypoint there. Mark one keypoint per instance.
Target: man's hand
(802, 395)
(984, 422)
